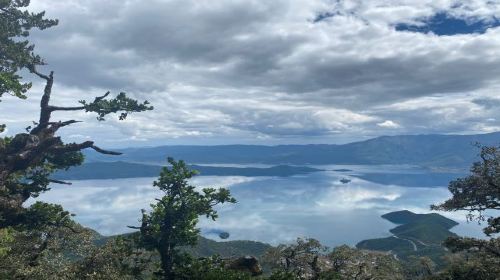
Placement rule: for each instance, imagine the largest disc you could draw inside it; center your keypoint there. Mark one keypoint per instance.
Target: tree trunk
(167, 261)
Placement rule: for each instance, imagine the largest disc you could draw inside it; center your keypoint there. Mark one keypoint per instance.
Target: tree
(469, 265)
(356, 264)
(476, 193)
(308, 259)
(479, 191)
(16, 51)
(27, 160)
(172, 221)
(303, 260)
(212, 268)
(118, 258)
(419, 267)
(46, 251)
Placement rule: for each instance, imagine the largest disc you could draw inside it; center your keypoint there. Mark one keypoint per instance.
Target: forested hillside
(414, 235)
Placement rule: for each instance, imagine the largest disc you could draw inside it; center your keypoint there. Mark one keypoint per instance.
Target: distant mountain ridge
(120, 169)
(427, 150)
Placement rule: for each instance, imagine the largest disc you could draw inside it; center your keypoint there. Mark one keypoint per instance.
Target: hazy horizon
(292, 144)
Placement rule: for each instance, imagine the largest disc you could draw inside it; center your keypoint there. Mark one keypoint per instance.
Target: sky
(270, 72)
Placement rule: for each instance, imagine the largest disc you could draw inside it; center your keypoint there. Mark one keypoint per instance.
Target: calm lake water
(277, 210)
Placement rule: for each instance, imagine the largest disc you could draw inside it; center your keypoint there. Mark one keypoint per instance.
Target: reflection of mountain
(115, 170)
(428, 150)
(410, 180)
(416, 234)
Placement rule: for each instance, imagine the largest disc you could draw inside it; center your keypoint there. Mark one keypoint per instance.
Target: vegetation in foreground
(41, 241)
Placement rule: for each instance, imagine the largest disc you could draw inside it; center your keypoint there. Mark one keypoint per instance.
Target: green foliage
(6, 238)
(212, 268)
(31, 180)
(207, 257)
(71, 252)
(476, 193)
(469, 266)
(41, 241)
(285, 275)
(121, 103)
(42, 215)
(16, 51)
(419, 267)
(299, 259)
(172, 220)
(117, 258)
(479, 191)
(457, 244)
(308, 259)
(282, 275)
(352, 263)
(43, 252)
(425, 231)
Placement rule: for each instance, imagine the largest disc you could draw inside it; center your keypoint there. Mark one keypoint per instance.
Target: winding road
(411, 242)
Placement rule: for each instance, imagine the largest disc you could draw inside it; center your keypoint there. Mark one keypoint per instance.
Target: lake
(341, 205)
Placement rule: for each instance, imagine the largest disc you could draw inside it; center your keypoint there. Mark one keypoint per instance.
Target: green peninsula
(415, 235)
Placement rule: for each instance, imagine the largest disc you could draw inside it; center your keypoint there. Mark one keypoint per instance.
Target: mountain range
(424, 150)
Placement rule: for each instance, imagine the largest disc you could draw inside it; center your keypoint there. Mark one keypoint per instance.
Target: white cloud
(389, 124)
(262, 71)
(356, 197)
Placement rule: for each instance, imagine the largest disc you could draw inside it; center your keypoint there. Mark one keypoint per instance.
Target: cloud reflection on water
(269, 209)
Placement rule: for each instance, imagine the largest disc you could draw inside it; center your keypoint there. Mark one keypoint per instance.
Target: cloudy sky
(269, 72)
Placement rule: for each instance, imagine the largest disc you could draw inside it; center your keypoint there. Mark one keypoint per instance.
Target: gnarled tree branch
(74, 147)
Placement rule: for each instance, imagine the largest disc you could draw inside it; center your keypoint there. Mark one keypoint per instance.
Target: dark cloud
(488, 103)
(265, 69)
